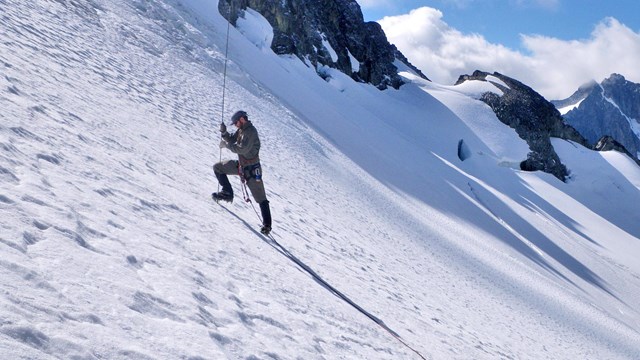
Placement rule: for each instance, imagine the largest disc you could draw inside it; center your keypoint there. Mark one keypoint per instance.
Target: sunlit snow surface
(112, 249)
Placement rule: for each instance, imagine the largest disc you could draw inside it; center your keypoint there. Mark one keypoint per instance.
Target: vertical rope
(224, 78)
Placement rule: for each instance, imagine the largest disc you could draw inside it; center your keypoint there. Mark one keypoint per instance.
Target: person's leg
(259, 195)
(257, 190)
(221, 170)
(266, 217)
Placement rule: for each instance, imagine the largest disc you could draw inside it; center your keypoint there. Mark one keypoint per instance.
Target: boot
(222, 195)
(266, 217)
(227, 191)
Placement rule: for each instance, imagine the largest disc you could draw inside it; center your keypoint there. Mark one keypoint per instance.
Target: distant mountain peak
(611, 108)
(614, 79)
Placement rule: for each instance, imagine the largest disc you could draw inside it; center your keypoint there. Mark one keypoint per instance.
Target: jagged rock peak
(329, 33)
(476, 75)
(614, 79)
(611, 108)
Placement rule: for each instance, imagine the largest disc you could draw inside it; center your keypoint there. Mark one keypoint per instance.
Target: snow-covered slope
(112, 249)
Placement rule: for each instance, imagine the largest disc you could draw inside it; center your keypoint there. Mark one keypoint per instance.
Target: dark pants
(230, 167)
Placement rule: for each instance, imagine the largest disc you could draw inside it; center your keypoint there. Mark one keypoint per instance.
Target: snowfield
(385, 244)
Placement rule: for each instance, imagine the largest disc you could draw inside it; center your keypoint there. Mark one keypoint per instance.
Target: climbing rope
(224, 78)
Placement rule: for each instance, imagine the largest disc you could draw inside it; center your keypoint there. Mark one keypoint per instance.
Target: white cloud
(612, 47)
(553, 67)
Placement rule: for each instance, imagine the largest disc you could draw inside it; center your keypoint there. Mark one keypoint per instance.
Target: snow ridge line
(284, 251)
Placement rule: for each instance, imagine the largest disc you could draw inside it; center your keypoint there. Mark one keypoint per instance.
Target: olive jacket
(246, 143)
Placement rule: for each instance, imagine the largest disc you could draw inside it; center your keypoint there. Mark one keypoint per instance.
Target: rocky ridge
(534, 118)
(304, 28)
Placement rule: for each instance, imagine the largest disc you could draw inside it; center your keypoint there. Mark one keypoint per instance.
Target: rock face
(611, 108)
(327, 33)
(535, 120)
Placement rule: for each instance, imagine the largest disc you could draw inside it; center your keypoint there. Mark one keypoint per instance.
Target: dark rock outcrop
(607, 143)
(302, 26)
(534, 118)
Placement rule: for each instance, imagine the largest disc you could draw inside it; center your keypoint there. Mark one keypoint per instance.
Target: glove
(223, 144)
(223, 128)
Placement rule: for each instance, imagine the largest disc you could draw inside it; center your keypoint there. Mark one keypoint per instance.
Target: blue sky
(511, 36)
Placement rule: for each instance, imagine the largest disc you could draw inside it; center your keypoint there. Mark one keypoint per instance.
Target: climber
(246, 143)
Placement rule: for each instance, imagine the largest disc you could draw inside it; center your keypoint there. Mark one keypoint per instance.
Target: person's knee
(218, 168)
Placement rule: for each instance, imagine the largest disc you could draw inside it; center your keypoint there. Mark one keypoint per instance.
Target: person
(246, 143)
